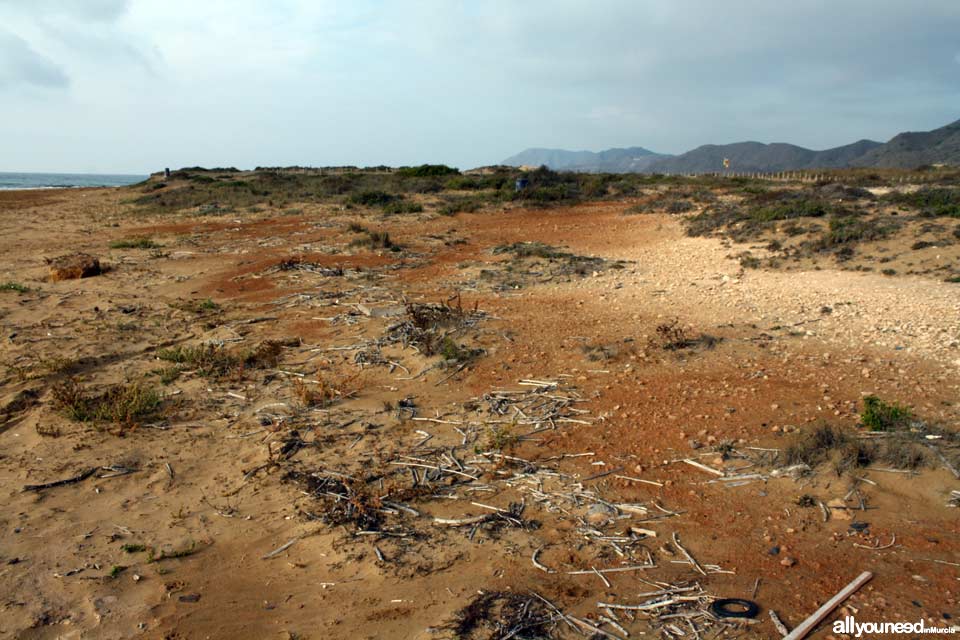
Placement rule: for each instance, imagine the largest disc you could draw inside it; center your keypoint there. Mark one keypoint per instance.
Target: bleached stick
(810, 623)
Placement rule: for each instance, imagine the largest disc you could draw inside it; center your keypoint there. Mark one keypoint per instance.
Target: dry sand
(202, 480)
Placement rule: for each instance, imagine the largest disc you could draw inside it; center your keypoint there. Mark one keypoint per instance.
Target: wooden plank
(810, 623)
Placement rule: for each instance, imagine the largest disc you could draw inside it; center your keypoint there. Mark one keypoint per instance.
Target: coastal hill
(756, 156)
(913, 149)
(629, 160)
(905, 150)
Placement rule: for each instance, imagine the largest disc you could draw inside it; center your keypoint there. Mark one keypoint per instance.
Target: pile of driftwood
(541, 403)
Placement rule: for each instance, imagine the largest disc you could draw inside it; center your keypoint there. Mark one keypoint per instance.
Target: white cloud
(246, 82)
(21, 65)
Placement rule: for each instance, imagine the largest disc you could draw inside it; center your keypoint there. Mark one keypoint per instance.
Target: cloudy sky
(137, 85)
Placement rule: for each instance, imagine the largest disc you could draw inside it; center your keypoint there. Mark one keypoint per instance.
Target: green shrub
(14, 286)
(372, 198)
(135, 243)
(120, 404)
(426, 170)
(931, 201)
(461, 205)
(877, 415)
(402, 206)
(790, 211)
(852, 229)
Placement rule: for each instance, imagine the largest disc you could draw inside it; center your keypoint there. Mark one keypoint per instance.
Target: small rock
(600, 513)
(788, 561)
(74, 266)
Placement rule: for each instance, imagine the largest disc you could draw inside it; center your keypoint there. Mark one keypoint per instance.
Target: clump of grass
(501, 437)
(848, 229)
(678, 206)
(133, 548)
(814, 446)
(189, 550)
(451, 351)
(14, 286)
(197, 306)
(376, 240)
(402, 206)
(135, 243)
(116, 570)
(531, 250)
(169, 375)
(322, 394)
(828, 443)
(878, 415)
(749, 261)
(454, 206)
(356, 227)
(119, 404)
(208, 360)
(213, 361)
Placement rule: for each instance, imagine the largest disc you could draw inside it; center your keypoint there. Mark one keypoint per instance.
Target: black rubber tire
(743, 608)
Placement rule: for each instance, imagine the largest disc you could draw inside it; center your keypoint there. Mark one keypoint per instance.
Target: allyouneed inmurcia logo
(850, 626)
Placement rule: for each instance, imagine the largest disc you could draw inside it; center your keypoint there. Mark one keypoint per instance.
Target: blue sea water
(64, 180)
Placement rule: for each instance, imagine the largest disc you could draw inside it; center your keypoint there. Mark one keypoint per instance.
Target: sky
(132, 86)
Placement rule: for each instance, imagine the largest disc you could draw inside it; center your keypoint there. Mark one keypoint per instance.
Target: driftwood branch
(61, 483)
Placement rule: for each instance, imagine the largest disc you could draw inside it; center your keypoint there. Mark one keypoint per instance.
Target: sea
(66, 180)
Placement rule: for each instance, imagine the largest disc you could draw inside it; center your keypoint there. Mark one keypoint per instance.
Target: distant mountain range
(631, 160)
(905, 150)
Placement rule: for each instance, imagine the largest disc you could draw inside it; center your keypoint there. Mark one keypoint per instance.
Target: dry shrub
(826, 443)
(327, 390)
(343, 500)
(672, 336)
(501, 615)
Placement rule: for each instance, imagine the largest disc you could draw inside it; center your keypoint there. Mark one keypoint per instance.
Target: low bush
(402, 206)
(878, 415)
(372, 198)
(427, 170)
(119, 404)
(135, 243)
(14, 286)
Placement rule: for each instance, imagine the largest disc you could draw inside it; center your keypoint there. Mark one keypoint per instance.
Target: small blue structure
(521, 184)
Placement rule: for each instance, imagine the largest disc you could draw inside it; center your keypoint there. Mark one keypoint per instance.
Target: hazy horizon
(133, 86)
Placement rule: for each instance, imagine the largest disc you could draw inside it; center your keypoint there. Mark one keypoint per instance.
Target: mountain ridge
(905, 150)
(615, 160)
